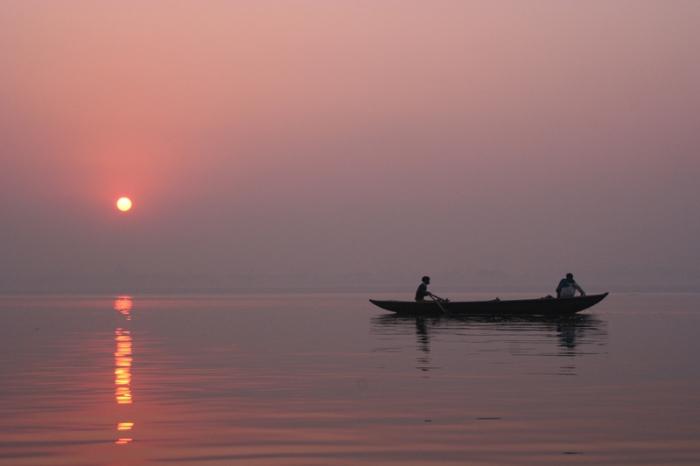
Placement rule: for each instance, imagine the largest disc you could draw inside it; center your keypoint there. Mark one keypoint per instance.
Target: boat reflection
(423, 341)
(123, 360)
(570, 331)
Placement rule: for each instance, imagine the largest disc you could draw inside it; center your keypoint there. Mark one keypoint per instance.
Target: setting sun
(124, 204)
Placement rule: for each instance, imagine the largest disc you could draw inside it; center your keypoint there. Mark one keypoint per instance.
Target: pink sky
(315, 144)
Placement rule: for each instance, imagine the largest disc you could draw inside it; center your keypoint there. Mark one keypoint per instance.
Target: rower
(422, 290)
(568, 287)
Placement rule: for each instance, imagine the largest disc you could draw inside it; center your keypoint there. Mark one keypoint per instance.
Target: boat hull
(539, 306)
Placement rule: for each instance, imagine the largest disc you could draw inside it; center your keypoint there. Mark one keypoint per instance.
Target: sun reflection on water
(123, 359)
(123, 305)
(123, 441)
(125, 426)
(122, 370)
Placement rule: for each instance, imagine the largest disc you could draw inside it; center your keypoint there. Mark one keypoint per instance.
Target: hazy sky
(353, 144)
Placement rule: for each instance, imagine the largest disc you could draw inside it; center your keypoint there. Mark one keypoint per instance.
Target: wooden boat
(539, 306)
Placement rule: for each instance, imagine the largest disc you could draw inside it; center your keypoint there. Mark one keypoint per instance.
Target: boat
(539, 306)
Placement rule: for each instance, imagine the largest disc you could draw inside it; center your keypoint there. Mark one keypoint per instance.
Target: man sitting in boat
(422, 290)
(567, 287)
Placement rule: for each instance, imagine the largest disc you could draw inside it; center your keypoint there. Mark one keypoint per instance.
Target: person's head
(425, 279)
(569, 276)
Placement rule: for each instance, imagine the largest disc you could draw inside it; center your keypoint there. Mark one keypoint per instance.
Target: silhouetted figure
(568, 287)
(422, 290)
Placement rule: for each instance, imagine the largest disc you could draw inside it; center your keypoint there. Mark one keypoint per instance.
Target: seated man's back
(567, 287)
(566, 290)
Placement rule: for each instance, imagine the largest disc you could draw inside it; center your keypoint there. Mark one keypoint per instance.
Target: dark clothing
(567, 288)
(565, 283)
(422, 292)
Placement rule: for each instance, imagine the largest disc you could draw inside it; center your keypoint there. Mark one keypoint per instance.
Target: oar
(437, 301)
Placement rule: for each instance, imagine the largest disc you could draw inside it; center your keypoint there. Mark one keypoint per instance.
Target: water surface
(330, 380)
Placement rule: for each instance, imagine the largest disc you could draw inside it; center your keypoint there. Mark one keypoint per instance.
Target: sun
(124, 204)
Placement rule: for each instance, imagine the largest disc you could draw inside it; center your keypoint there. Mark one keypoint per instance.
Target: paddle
(436, 300)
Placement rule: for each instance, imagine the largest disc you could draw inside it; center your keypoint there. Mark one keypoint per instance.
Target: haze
(316, 145)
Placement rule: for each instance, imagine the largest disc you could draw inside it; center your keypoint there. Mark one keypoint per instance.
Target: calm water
(330, 380)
